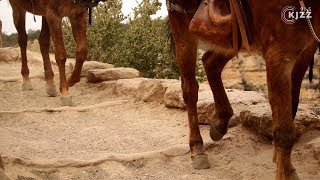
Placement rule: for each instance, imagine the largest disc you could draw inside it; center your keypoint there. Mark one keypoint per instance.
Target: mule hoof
(51, 91)
(27, 86)
(66, 101)
(215, 134)
(200, 161)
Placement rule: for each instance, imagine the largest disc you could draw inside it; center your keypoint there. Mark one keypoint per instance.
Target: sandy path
(121, 138)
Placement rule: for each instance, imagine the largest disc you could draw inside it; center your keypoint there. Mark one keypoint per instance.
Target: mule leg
(298, 73)
(279, 88)
(44, 42)
(186, 51)
(79, 29)
(214, 64)
(190, 88)
(19, 16)
(55, 26)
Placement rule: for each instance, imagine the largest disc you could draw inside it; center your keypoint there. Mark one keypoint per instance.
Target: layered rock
(100, 75)
(88, 65)
(250, 108)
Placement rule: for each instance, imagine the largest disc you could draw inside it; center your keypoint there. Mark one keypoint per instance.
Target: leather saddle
(217, 21)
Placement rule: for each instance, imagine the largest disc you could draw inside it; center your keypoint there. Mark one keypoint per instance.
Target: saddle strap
(240, 23)
(235, 34)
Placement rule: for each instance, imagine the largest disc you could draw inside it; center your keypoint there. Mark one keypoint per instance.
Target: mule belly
(37, 8)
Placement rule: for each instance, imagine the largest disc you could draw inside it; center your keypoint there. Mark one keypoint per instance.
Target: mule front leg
(214, 64)
(279, 91)
(79, 29)
(186, 59)
(55, 26)
(186, 53)
(190, 95)
(19, 16)
(44, 42)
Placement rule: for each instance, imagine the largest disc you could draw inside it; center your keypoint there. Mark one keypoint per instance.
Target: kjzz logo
(290, 15)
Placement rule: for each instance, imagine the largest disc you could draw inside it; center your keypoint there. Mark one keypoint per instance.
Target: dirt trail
(112, 137)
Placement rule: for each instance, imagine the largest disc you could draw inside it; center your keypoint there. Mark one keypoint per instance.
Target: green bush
(104, 33)
(12, 39)
(140, 43)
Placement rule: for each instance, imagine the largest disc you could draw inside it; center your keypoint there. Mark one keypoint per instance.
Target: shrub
(140, 43)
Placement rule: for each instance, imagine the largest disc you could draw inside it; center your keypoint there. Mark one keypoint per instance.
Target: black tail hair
(310, 76)
(311, 67)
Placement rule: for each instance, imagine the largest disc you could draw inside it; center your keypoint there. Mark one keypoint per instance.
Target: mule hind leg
(190, 95)
(298, 72)
(186, 51)
(19, 16)
(44, 42)
(279, 70)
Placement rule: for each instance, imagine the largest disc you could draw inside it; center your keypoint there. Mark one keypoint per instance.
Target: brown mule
(52, 12)
(287, 49)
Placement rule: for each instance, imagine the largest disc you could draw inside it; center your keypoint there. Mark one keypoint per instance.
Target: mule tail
(310, 76)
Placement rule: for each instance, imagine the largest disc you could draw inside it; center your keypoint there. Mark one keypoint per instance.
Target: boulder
(306, 119)
(9, 54)
(87, 65)
(151, 90)
(173, 97)
(108, 86)
(253, 63)
(240, 100)
(253, 110)
(259, 117)
(314, 145)
(128, 87)
(100, 75)
(250, 109)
